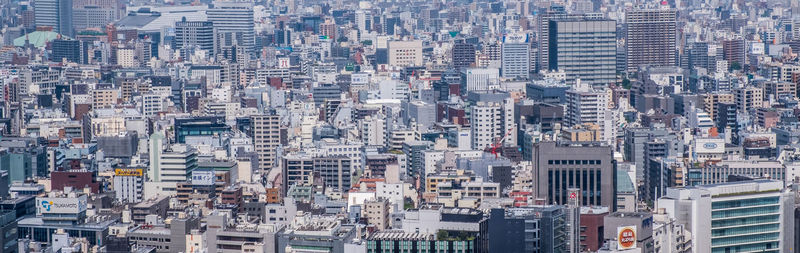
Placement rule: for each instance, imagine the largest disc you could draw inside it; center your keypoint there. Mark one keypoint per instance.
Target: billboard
(626, 237)
(203, 177)
(47, 205)
(129, 172)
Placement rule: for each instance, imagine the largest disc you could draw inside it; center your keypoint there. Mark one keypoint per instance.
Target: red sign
(626, 237)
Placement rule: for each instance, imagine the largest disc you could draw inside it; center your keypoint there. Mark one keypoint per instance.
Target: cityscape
(382, 126)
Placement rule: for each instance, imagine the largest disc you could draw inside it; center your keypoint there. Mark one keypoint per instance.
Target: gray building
(651, 39)
(589, 167)
(233, 21)
(642, 221)
(23, 158)
(189, 34)
(463, 55)
(585, 49)
(224, 239)
(416, 161)
(56, 14)
(165, 238)
(335, 171)
(420, 112)
(122, 146)
(528, 229)
(322, 235)
(92, 17)
(515, 61)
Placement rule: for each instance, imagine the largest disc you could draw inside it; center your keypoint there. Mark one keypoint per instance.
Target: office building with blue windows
(743, 216)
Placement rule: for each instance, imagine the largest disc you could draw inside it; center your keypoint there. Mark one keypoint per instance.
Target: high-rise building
(584, 49)
(266, 138)
(491, 122)
(588, 167)
(189, 34)
(752, 216)
(651, 39)
(233, 21)
(584, 105)
(515, 61)
(543, 35)
(56, 14)
(463, 55)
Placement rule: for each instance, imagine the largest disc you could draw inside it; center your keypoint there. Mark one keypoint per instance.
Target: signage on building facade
(46, 205)
(626, 237)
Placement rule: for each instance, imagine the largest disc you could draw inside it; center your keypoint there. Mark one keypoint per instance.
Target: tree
(734, 66)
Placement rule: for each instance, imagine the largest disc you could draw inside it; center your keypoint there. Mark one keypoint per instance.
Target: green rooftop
(37, 38)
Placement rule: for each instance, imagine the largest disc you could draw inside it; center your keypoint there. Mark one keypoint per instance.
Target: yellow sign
(129, 172)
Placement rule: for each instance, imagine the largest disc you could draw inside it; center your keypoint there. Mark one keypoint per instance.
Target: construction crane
(500, 141)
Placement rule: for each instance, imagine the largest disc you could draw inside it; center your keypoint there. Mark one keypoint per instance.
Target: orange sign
(626, 237)
(129, 172)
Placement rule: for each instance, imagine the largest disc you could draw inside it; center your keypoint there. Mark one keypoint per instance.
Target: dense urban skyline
(271, 126)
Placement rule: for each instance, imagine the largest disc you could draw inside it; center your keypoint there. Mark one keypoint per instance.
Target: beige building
(377, 213)
(405, 53)
(266, 138)
(104, 97)
(780, 89)
(711, 101)
(126, 59)
(582, 132)
(748, 98)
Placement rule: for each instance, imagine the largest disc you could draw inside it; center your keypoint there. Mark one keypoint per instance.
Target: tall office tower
(515, 61)
(543, 35)
(234, 21)
(651, 39)
(589, 167)
(584, 49)
(752, 216)
(266, 138)
(191, 34)
(56, 14)
(463, 55)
